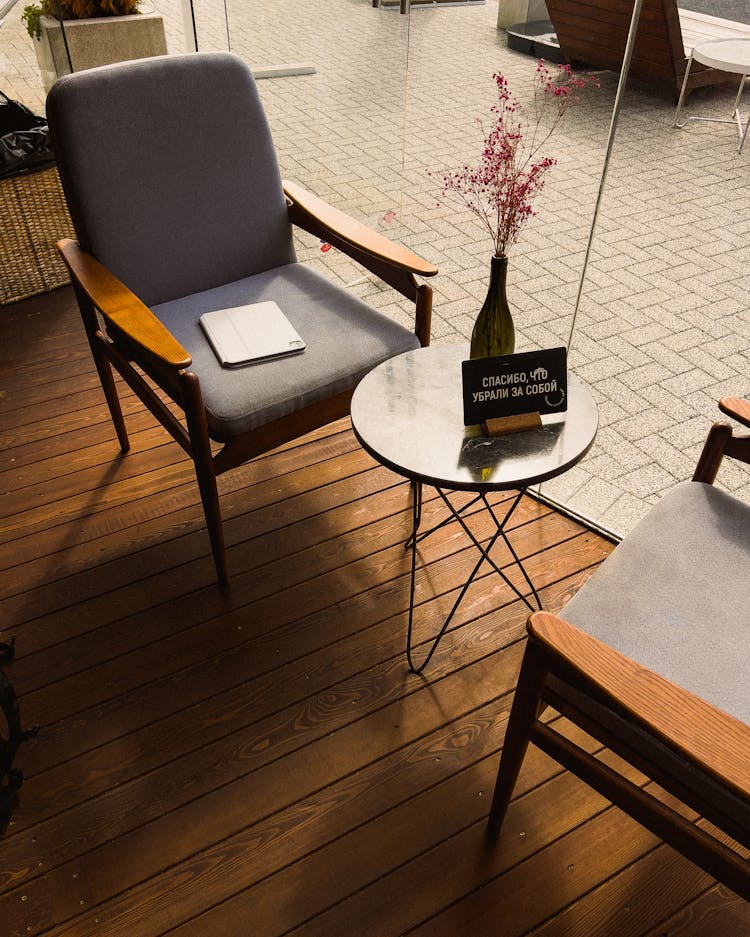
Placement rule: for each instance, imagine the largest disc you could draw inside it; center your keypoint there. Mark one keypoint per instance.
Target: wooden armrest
(307, 207)
(738, 409)
(122, 307)
(705, 734)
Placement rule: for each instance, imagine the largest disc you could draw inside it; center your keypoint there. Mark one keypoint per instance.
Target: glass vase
(494, 333)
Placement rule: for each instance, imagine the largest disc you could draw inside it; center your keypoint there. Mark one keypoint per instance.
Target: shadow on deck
(261, 761)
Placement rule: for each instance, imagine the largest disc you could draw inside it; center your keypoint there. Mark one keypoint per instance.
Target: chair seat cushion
(345, 339)
(673, 596)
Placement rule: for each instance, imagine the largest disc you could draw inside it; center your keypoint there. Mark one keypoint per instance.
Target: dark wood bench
(594, 33)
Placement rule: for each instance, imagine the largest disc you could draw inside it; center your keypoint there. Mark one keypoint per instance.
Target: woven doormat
(33, 216)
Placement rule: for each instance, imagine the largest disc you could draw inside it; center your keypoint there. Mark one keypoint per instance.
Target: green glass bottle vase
(494, 333)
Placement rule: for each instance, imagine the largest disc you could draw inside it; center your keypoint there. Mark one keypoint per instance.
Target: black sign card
(533, 381)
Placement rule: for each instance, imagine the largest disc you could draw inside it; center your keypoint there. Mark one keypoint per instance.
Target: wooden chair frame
(661, 729)
(99, 292)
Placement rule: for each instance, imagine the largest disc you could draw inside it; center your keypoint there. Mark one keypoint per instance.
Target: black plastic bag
(24, 139)
(11, 737)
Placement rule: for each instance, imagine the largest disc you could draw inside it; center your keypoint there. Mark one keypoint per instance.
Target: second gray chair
(651, 661)
(174, 189)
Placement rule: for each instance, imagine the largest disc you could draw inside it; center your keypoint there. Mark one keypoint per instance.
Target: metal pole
(188, 23)
(629, 46)
(5, 9)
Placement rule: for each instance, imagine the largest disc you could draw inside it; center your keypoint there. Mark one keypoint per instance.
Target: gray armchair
(651, 659)
(173, 186)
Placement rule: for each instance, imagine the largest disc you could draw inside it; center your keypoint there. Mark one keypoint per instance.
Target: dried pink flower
(500, 189)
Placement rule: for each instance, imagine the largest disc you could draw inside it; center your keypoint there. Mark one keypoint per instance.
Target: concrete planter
(510, 12)
(98, 41)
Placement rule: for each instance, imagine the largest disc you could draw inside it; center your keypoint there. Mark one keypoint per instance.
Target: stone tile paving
(662, 328)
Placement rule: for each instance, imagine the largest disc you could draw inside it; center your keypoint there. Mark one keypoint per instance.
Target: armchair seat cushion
(345, 339)
(686, 567)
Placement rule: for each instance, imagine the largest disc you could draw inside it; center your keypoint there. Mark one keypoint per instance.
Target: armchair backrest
(170, 172)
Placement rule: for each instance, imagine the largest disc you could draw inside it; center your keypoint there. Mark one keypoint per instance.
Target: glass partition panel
(63, 44)
(332, 77)
(654, 304)
(370, 107)
(454, 52)
(333, 80)
(661, 333)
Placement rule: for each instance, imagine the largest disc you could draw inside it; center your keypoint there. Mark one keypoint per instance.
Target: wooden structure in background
(594, 33)
(260, 761)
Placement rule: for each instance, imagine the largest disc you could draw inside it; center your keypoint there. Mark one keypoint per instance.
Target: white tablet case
(244, 334)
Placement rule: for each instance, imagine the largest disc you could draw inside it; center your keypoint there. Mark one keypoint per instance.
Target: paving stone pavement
(662, 328)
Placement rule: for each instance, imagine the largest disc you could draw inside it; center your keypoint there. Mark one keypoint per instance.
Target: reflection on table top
(408, 414)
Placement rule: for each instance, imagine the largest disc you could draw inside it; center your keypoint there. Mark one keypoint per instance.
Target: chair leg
(110, 392)
(195, 415)
(523, 714)
(212, 512)
(103, 367)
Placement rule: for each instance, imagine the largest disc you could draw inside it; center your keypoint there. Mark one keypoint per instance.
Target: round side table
(726, 55)
(408, 414)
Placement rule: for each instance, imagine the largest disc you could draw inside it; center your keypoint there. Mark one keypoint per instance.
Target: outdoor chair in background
(652, 661)
(174, 189)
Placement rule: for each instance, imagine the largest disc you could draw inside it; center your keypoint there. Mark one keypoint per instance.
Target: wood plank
(117, 516)
(220, 683)
(56, 409)
(513, 881)
(718, 912)
(35, 480)
(625, 905)
(23, 386)
(47, 702)
(46, 617)
(66, 449)
(50, 324)
(33, 508)
(43, 359)
(191, 728)
(627, 902)
(102, 515)
(173, 636)
(277, 902)
(176, 835)
(88, 412)
(45, 461)
(22, 398)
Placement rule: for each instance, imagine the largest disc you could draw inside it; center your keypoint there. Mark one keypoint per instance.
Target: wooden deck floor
(260, 762)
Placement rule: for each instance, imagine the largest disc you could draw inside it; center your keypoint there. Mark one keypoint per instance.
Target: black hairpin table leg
(484, 556)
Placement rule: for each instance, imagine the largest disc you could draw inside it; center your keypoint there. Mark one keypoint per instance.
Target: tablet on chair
(247, 334)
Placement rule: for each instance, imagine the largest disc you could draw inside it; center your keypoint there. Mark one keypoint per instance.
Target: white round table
(408, 414)
(726, 55)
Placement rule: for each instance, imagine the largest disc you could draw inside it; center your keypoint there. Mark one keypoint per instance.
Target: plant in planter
(72, 35)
